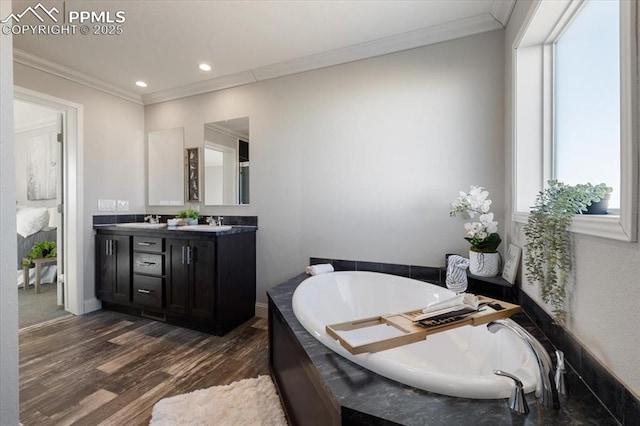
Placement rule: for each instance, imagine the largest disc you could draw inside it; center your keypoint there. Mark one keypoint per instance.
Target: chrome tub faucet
(561, 371)
(517, 401)
(549, 394)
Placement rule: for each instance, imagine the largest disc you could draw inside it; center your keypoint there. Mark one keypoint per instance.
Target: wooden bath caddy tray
(412, 331)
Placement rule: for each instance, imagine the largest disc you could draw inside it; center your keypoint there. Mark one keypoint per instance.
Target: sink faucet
(152, 219)
(214, 222)
(549, 394)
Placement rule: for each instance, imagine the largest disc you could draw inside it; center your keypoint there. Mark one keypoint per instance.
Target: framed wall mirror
(226, 162)
(165, 167)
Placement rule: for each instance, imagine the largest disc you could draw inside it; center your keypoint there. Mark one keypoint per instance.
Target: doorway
(68, 209)
(38, 142)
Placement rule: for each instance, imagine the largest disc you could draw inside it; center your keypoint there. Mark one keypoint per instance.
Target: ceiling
(162, 42)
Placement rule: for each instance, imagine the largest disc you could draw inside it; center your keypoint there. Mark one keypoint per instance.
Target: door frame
(72, 213)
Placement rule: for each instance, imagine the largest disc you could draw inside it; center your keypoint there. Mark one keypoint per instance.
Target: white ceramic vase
(484, 264)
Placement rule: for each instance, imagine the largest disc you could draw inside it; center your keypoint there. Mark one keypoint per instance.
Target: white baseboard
(262, 310)
(92, 305)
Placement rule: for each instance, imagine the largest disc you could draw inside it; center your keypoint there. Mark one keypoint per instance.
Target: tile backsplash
(112, 219)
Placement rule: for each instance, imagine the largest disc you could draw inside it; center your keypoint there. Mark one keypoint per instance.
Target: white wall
(9, 410)
(605, 299)
(360, 161)
(113, 155)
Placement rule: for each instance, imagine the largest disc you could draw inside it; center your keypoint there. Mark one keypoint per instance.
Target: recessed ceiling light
(141, 84)
(205, 67)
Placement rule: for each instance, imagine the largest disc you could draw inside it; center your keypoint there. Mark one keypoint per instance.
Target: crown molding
(211, 85)
(224, 131)
(62, 71)
(501, 11)
(410, 40)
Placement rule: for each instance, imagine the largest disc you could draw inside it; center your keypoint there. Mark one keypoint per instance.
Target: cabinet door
(122, 259)
(105, 268)
(113, 266)
(177, 290)
(202, 279)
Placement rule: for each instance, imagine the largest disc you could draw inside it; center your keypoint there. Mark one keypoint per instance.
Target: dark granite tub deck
(367, 398)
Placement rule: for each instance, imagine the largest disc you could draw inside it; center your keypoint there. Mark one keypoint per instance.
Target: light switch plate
(106, 205)
(123, 205)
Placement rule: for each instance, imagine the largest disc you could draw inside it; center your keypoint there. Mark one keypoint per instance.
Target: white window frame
(533, 111)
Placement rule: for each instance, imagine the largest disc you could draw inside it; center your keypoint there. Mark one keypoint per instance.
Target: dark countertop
(171, 231)
(372, 399)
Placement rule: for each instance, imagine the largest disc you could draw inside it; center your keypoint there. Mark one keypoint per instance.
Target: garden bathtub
(458, 362)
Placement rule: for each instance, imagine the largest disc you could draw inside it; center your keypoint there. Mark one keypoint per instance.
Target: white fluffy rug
(245, 402)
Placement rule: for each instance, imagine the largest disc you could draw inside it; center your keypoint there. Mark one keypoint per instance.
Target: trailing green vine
(548, 255)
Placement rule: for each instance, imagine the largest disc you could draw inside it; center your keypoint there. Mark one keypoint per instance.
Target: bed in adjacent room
(34, 225)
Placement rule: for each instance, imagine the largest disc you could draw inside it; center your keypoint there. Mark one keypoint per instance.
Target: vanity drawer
(145, 263)
(148, 244)
(147, 291)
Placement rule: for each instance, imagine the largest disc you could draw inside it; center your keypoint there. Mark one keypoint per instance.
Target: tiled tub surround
(621, 403)
(331, 387)
(458, 363)
(113, 219)
(421, 273)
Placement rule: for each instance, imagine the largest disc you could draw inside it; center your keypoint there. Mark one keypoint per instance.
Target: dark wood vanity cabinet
(148, 272)
(113, 268)
(191, 279)
(205, 281)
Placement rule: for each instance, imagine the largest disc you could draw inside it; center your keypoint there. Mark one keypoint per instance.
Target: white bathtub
(457, 362)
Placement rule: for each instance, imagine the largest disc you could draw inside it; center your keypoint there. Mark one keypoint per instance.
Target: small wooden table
(38, 262)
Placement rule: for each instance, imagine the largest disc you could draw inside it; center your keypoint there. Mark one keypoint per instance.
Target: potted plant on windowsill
(190, 216)
(484, 259)
(548, 248)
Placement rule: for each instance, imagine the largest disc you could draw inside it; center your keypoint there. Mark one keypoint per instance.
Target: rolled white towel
(319, 269)
(456, 273)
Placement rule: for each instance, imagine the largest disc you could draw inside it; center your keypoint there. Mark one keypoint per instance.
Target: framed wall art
(511, 262)
(193, 174)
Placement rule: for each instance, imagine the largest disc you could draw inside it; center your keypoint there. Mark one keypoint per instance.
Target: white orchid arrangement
(483, 233)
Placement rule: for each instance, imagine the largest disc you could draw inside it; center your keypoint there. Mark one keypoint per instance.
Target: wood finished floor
(108, 368)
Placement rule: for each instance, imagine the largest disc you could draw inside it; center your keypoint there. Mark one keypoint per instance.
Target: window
(587, 99)
(575, 107)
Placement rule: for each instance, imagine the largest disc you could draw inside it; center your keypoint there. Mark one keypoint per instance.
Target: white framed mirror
(165, 167)
(226, 162)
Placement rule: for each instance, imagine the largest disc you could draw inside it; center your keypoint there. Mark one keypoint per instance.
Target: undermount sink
(145, 225)
(204, 228)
